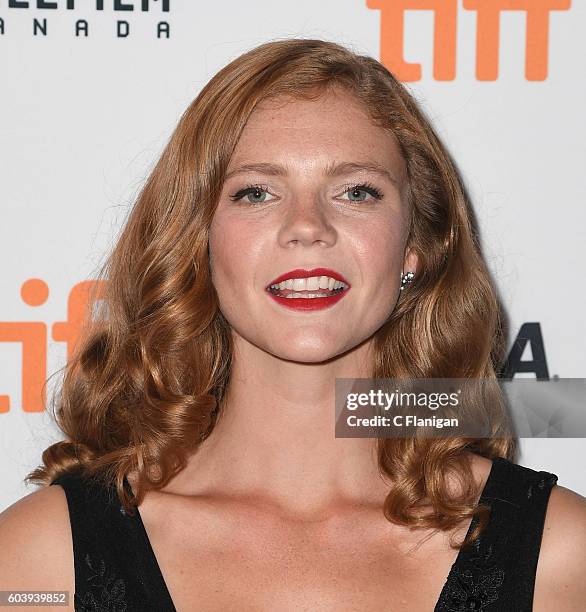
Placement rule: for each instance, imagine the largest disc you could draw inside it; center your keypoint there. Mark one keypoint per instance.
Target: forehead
(334, 125)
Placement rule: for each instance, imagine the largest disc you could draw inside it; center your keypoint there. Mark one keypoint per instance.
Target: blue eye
(357, 193)
(254, 193)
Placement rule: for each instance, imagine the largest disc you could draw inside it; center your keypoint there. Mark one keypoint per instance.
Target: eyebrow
(333, 169)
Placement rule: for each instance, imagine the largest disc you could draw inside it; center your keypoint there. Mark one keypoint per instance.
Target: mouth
(308, 284)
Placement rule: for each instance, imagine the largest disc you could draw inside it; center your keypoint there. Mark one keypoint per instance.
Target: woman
(205, 396)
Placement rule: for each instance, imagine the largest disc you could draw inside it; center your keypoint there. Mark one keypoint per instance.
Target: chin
(310, 351)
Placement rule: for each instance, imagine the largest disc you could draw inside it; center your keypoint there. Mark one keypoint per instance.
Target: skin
(286, 361)
(273, 512)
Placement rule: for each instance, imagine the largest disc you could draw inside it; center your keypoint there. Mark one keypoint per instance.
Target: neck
(275, 440)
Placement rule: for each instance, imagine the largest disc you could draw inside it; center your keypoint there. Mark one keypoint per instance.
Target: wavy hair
(144, 385)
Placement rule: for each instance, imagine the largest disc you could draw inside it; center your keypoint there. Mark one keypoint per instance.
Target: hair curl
(146, 380)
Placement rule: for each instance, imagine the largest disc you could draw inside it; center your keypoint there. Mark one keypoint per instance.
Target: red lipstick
(316, 303)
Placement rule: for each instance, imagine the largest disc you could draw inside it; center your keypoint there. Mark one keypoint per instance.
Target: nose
(307, 222)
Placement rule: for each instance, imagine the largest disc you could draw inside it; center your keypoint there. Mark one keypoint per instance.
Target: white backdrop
(84, 118)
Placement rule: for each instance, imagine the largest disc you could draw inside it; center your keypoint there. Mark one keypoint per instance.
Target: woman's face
(311, 184)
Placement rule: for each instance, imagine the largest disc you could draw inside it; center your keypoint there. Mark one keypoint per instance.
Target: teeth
(300, 284)
(310, 284)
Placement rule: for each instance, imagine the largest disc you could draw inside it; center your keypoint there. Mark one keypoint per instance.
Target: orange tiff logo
(32, 335)
(487, 35)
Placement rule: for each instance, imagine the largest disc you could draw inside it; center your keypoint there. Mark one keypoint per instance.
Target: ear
(411, 261)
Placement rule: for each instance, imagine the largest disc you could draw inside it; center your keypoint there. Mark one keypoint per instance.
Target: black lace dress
(116, 569)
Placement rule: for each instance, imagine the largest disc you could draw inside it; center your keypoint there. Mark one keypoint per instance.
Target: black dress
(116, 569)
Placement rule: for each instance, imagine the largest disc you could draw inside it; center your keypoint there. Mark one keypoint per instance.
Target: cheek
(380, 250)
(221, 255)
(233, 251)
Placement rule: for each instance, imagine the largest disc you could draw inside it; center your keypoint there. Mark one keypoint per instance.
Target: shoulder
(36, 551)
(559, 581)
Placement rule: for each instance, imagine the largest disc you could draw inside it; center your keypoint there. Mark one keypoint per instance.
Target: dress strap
(497, 572)
(111, 570)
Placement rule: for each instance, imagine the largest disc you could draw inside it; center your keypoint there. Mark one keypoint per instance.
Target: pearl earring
(406, 279)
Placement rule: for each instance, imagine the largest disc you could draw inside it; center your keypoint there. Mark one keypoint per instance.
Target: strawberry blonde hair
(145, 383)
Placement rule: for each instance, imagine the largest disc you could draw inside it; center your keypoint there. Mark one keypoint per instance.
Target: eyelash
(368, 187)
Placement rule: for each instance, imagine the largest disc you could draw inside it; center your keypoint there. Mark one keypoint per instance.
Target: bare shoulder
(36, 551)
(481, 467)
(559, 582)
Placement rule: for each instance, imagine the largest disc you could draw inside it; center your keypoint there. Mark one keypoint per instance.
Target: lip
(308, 303)
(301, 273)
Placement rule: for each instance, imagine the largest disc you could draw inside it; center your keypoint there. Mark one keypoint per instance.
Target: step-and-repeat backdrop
(91, 91)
